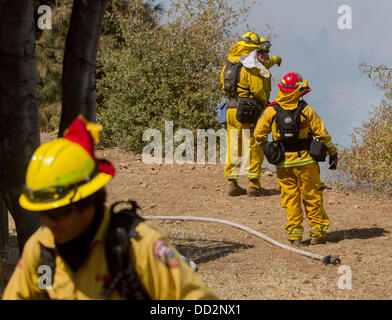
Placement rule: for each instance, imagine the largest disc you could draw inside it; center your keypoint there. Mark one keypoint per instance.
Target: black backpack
(231, 76)
(123, 274)
(122, 227)
(248, 109)
(288, 122)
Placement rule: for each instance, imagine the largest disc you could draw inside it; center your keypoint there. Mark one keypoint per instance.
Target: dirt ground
(237, 265)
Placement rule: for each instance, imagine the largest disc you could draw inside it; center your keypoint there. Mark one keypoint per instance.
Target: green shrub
(161, 72)
(369, 158)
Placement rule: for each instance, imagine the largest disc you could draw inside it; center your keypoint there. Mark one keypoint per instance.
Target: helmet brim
(281, 87)
(82, 192)
(243, 43)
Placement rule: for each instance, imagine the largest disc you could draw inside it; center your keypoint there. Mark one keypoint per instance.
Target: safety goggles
(264, 46)
(48, 194)
(55, 193)
(298, 84)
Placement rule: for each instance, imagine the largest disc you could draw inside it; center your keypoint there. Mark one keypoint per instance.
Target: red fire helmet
(290, 82)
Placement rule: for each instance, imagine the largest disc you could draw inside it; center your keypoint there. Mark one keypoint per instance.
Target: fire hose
(325, 259)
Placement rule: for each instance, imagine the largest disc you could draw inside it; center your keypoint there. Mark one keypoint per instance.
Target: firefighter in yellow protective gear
(253, 82)
(66, 258)
(298, 175)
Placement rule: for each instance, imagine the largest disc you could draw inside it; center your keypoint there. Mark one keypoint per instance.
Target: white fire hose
(325, 259)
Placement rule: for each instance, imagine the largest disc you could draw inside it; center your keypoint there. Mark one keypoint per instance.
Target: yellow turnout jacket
(251, 84)
(289, 101)
(163, 273)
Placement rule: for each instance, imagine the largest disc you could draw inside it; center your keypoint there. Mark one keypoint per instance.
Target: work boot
(255, 192)
(235, 190)
(296, 243)
(255, 189)
(316, 240)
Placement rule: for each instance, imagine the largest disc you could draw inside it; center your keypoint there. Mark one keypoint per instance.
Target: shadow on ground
(201, 251)
(365, 233)
(271, 192)
(266, 193)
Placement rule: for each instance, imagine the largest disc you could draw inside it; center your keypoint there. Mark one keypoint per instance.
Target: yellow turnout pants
(240, 137)
(302, 181)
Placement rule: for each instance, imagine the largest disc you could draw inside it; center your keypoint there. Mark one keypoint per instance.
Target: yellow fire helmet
(250, 39)
(65, 170)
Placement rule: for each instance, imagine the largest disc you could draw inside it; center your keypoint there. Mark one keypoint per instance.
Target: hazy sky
(311, 43)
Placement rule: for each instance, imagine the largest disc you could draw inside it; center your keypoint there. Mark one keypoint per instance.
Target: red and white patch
(165, 254)
(304, 124)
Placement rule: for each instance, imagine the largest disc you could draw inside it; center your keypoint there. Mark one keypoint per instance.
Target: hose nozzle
(330, 260)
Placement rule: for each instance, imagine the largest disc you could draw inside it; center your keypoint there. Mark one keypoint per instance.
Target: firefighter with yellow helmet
(246, 82)
(83, 249)
(295, 159)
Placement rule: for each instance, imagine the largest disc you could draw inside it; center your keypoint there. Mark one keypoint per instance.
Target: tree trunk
(81, 46)
(19, 117)
(4, 232)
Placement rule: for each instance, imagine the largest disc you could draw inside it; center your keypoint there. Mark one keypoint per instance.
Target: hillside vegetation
(368, 160)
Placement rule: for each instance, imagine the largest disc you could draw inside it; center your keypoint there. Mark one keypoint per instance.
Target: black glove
(333, 162)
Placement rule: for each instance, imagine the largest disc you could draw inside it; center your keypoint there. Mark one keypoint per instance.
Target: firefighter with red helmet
(298, 172)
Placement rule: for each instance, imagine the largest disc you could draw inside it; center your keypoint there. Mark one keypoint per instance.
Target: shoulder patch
(165, 254)
(304, 124)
